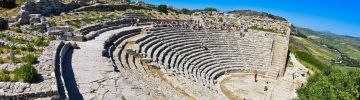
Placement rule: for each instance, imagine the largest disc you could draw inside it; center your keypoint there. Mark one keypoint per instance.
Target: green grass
(347, 45)
(330, 81)
(317, 51)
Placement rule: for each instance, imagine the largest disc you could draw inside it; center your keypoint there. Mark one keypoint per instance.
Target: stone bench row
(104, 25)
(115, 39)
(174, 59)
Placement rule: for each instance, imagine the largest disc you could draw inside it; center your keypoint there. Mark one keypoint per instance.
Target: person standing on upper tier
(137, 21)
(255, 77)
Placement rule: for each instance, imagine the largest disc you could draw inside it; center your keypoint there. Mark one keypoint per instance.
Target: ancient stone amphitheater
(117, 59)
(163, 62)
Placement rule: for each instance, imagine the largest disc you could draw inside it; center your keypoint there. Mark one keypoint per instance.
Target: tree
(210, 9)
(162, 8)
(7, 3)
(3, 24)
(185, 11)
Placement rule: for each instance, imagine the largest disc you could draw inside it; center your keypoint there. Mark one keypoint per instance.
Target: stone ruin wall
(43, 7)
(266, 49)
(280, 50)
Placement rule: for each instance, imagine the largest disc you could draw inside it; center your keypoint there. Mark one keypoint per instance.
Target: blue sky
(340, 17)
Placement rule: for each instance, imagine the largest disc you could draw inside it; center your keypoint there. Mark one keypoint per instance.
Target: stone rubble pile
(43, 7)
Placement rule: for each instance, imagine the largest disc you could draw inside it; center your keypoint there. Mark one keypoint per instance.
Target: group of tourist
(196, 25)
(256, 80)
(135, 21)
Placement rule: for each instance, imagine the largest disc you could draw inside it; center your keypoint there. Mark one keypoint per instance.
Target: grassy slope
(310, 53)
(330, 81)
(313, 46)
(348, 45)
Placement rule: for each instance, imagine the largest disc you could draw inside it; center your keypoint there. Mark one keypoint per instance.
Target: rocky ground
(46, 82)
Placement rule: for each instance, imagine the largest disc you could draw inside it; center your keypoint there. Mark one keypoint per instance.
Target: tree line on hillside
(164, 8)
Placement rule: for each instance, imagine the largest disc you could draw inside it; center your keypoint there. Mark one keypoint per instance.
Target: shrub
(12, 47)
(185, 11)
(29, 59)
(26, 73)
(52, 23)
(75, 23)
(211, 9)
(2, 61)
(29, 47)
(337, 84)
(2, 35)
(51, 38)
(5, 71)
(4, 78)
(4, 75)
(162, 8)
(12, 56)
(42, 30)
(17, 29)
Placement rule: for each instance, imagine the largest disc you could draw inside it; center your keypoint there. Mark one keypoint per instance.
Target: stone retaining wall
(44, 7)
(33, 95)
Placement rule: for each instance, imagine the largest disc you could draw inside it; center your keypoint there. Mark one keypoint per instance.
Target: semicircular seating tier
(201, 56)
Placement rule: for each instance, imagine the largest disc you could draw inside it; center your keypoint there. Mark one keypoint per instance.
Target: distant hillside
(256, 13)
(348, 47)
(332, 58)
